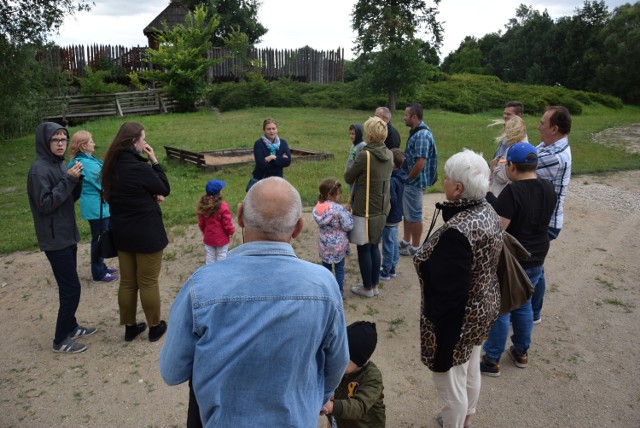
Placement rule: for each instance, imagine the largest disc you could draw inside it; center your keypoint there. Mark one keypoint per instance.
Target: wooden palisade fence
(304, 64)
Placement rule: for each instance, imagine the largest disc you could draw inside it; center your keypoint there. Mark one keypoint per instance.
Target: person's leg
(395, 253)
(497, 339)
(474, 384)
(388, 246)
(340, 275)
(221, 252)
(193, 411)
(364, 262)
(522, 317)
(63, 264)
(128, 291)
(538, 293)
(375, 264)
(452, 389)
(148, 272)
(98, 267)
(210, 254)
(412, 206)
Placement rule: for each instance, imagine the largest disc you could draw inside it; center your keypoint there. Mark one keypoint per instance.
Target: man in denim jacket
(260, 334)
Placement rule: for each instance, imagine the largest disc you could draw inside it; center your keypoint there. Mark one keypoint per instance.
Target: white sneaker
(361, 291)
(538, 321)
(375, 290)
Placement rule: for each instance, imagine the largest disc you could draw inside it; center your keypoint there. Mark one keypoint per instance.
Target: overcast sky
(323, 25)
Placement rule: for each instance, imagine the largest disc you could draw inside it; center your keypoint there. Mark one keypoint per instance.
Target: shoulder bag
(106, 246)
(515, 286)
(359, 235)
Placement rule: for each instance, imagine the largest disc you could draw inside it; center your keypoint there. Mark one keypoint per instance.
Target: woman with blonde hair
(378, 187)
(515, 131)
(92, 207)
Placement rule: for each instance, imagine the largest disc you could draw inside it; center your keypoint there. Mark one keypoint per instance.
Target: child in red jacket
(214, 219)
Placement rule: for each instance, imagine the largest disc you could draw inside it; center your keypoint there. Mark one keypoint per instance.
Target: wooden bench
(186, 156)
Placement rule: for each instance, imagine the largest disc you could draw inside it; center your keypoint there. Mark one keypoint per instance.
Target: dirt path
(583, 366)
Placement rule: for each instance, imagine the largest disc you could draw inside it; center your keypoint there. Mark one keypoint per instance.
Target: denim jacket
(262, 336)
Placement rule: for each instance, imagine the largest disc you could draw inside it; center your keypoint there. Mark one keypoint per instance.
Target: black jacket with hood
(52, 193)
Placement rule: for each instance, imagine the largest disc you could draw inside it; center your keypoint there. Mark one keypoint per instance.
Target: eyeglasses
(59, 140)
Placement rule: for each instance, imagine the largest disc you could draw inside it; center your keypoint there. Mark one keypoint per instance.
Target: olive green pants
(139, 272)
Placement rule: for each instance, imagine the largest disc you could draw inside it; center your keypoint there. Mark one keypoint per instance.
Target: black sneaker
(132, 331)
(157, 331)
(385, 275)
(520, 360)
(392, 272)
(488, 368)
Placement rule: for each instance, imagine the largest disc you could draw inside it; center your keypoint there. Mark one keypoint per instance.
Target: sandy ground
(583, 367)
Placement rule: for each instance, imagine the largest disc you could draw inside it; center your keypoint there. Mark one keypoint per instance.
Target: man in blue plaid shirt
(554, 164)
(421, 159)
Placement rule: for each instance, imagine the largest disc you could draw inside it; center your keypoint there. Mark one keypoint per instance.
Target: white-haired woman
(460, 294)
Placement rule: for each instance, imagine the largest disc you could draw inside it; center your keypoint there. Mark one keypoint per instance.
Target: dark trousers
(64, 264)
(98, 266)
(369, 262)
(193, 412)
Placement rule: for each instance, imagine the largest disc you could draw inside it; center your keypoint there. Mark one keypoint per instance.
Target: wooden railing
(80, 107)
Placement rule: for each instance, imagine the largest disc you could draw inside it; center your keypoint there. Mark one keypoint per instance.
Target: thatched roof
(174, 14)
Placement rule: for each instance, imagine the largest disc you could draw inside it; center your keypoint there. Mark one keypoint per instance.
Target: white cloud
(322, 25)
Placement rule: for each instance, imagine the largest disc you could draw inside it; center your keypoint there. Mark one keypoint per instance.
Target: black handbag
(106, 247)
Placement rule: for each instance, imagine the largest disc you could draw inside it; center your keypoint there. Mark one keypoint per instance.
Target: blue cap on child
(214, 187)
(522, 153)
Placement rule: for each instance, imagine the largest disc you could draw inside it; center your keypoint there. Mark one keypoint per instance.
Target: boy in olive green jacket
(358, 400)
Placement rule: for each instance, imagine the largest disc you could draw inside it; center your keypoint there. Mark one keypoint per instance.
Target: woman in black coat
(134, 190)
(271, 154)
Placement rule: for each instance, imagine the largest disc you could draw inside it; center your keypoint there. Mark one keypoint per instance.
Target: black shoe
(132, 331)
(488, 368)
(157, 331)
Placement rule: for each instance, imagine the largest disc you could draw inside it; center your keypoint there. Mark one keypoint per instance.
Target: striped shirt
(554, 164)
(422, 145)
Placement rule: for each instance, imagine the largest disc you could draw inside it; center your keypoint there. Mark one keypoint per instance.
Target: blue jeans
(369, 263)
(64, 263)
(98, 267)
(339, 273)
(390, 251)
(521, 321)
(538, 295)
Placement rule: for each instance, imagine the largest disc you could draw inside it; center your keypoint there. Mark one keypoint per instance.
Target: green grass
(318, 129)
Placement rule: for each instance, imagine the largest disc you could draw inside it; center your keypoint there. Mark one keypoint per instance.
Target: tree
(181, 58)
(387, 42)
(234, 15)
(24, 27)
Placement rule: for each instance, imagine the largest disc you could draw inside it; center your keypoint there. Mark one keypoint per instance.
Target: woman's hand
(270, 158)
(149, 151)
(159, 198)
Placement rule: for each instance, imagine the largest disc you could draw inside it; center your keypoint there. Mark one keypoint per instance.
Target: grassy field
(316, 129)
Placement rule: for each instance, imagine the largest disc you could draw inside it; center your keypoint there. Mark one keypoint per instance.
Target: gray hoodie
(52, 193)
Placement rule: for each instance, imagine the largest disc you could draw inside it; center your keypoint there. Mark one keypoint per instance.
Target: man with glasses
(52, 190)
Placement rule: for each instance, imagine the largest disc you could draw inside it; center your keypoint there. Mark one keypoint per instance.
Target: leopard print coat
(480, 225)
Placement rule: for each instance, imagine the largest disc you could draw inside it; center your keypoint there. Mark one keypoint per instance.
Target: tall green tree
(389, 46)
(233, 15)
(181, 60)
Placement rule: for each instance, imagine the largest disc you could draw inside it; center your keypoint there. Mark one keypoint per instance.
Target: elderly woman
(133, 189)
(271, 154)
(378, 185)
(460, 293)
(82, 148)
(515, 131)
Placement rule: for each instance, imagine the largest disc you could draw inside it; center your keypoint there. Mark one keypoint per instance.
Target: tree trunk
(392, 100)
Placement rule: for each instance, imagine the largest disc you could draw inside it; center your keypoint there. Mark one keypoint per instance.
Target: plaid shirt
(554, 164)
(422, 145)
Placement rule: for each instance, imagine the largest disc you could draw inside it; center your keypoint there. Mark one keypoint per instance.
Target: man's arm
(417, 167)
(336, 352)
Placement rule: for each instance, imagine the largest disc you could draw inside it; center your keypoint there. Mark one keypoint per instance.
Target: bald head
(271, 211)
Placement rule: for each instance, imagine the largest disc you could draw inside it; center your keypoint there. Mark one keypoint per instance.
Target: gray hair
(272, 207)
(385, 113)
(471, 170)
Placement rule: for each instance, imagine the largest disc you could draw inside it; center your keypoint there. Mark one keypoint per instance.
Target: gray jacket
(52, 193)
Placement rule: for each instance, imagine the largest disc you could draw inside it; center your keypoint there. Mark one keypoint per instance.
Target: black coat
(136, 217)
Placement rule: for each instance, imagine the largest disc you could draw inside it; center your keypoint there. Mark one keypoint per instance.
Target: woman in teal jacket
(82, 148)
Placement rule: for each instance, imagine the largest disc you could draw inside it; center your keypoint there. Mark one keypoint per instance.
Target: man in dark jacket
(52, 190)
(393, 136)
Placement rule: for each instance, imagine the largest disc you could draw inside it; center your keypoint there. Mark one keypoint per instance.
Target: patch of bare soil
(583, 369)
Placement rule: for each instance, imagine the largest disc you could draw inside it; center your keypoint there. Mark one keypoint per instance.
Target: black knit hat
(363, 338)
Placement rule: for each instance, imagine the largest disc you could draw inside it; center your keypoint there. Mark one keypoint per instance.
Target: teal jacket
(90, 196)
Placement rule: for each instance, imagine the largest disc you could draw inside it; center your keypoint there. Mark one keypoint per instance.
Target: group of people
(272, 344)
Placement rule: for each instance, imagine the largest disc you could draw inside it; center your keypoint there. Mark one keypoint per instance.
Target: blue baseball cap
(522, 153)
(214, 187)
